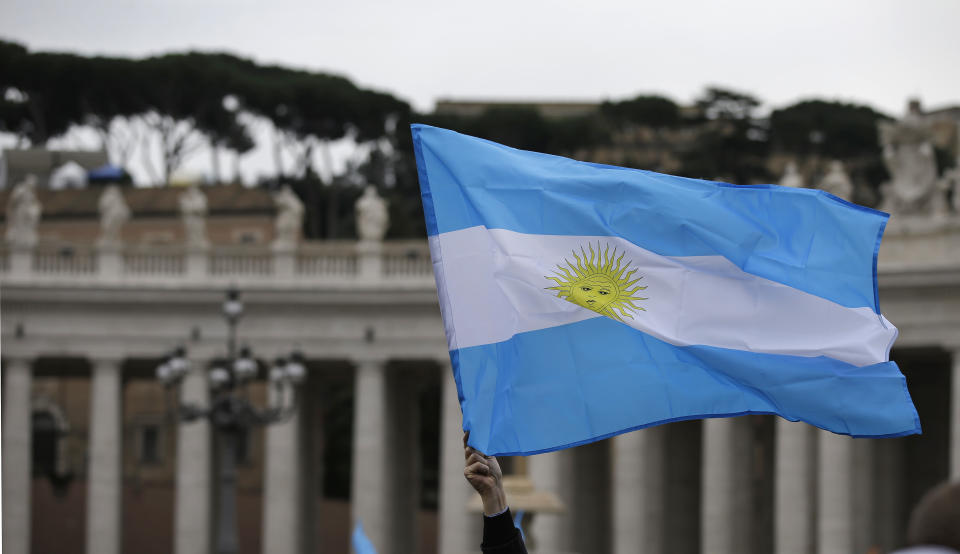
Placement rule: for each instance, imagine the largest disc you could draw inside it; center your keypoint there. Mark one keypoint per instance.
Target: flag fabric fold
(360, 542)
(581, 301)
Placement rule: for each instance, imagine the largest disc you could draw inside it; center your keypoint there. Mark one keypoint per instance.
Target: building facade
(90, 462)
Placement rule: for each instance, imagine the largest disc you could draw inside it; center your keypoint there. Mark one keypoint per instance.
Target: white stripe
(492, 286)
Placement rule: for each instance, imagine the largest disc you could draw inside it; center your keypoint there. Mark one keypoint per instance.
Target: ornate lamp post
(230, 410)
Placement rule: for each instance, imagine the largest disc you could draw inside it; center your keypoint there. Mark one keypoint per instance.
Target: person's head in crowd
(936, 519)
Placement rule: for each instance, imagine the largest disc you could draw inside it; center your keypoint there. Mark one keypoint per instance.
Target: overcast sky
(874, 51)
(878, 52)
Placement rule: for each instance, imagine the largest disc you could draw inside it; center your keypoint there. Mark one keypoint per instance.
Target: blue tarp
(107, 172)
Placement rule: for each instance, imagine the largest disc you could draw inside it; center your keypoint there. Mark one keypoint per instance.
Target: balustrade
(408, 259)
(334, 261)
(154, 261)
(237, 261)
(327, 259)
(64, 260)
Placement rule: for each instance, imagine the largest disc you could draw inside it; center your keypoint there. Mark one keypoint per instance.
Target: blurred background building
(102, 279)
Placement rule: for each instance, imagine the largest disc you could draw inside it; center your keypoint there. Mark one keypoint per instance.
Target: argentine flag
(581, 301)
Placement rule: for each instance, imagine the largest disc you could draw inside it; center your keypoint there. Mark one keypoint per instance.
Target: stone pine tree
(731, 143)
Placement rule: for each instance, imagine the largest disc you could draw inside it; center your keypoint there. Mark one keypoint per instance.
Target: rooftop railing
(404, 262)
(910, 248)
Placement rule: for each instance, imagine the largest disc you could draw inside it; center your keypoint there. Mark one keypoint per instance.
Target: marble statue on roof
(23, 214)
(791, 176)
(914, 188)
(837, 182)
(114, 213)
(372, 216)
(193, 210)
(951, 182)
(289, 222)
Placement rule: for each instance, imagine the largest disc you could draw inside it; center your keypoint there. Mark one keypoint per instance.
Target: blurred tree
(816, 131)
(732, 143)
(653, 111)
(187, 99)
(14, 100)
(111, 105)
(308, 111)
(40, 92)
(184, 102)
(831, 129)
(725, 104)
(517, 126)
(570, 134)
(184, 97)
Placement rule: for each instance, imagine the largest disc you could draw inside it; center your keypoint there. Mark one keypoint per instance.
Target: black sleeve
(500, 536)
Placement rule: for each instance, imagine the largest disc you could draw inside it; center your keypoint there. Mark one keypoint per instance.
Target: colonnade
(385, 487)
(815, 476)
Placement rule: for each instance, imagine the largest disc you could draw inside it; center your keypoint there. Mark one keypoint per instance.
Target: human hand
(484, 475)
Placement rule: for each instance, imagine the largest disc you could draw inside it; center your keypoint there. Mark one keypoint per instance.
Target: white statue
(289, 222)
(372, 216)
(951, 181)
(23, 214)
(791, 176)
(908, 154)
(193, 209)
(836, 181)
(114, 212)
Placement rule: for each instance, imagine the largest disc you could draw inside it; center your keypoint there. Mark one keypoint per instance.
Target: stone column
(834, 493)
(459, 529)
(552, 472)
(864, 506)
(193, 519)
(283, 484)
(684, 449)
(105, 473)
(794, 487)
(370, 503)
(591, 525)
(955, 419)
(638, 489)
(17, 449)
(726, 504)
(403, 435)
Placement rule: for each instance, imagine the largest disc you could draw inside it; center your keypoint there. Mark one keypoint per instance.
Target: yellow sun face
(599, 281)
(595, 292)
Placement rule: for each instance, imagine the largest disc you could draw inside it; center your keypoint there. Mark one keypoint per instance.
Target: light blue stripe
(804, 238)
(559, 387)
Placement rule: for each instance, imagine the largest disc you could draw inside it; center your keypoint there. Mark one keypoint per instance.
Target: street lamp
(230, 411)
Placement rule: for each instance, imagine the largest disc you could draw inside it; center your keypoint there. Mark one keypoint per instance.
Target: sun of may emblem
(599, 281)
